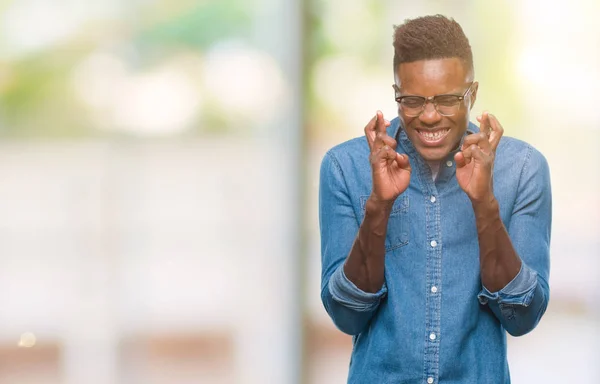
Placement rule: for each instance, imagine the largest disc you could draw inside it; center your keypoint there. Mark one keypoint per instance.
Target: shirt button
(432, 336)
(434, 289)
(433, 199)
(448, 163)
(430, 380)
(433, 243)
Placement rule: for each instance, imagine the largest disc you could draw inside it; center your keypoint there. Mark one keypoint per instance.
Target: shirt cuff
(519, 291)
(346, 293)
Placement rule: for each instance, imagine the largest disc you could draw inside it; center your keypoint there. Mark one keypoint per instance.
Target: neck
(435, 167)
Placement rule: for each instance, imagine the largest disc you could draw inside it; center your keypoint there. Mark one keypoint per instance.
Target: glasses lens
(447, 105)
(412, 105)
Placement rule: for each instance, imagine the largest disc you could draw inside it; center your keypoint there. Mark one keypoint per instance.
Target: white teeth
(433, 136)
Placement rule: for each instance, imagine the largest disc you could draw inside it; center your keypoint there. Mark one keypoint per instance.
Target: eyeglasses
(445, 105)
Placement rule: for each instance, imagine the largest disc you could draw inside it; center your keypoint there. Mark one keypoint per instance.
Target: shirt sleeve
(349, 295)
(519, 291)
(350, 308)
(521, 304)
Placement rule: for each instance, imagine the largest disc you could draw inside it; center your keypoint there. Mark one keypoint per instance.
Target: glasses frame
(431, 99)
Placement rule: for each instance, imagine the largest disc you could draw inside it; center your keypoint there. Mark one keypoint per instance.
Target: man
(434, 232)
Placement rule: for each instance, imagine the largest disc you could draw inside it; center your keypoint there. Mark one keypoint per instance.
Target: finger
(380, 124)
(378, 131)
(485, 146)
(379, 141)
(388, 153)
(478, 156)
(378, 154)
(475, 153)
(386, 139)
(383, 154)
(382, 138)
(468, 153)
(403, 162)
(474, 138)
(480, 139)
(459, 159)
(497, 132)
(484, 123)
(370, 131)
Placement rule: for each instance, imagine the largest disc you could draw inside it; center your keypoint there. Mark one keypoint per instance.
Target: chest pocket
(398, 229)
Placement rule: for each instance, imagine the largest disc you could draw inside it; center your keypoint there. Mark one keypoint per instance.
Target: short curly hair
(431, 37)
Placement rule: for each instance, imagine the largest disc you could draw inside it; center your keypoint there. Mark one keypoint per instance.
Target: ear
(473, 95)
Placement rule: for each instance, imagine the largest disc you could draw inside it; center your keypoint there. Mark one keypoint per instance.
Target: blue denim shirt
(433, 321)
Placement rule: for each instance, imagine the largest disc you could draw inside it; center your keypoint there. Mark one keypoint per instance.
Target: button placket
(433, 304)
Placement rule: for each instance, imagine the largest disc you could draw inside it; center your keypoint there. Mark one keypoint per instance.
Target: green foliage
(36, 98)
(199, 26)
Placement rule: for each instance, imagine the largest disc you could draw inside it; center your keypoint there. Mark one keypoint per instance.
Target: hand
(390, 170)
(475, 162)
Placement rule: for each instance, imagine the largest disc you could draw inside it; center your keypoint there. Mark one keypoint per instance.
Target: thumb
(460, 160)
(403, 161)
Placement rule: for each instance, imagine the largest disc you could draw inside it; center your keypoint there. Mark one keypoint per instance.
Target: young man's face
(433, 134)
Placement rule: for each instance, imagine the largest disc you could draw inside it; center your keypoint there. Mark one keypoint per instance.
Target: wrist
(485, 203)
(486, 211)
(375, 204)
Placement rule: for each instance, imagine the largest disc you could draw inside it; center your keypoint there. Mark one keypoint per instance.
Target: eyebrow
(457, 93)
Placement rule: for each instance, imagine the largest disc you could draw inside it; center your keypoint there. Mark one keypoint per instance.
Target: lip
(428, 142)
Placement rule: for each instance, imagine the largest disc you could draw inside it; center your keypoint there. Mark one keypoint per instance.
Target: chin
(433, 154)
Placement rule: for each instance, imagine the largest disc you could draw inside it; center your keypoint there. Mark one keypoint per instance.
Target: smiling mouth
(433, 136)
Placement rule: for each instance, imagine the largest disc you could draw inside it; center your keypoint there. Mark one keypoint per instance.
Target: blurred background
(159, 176)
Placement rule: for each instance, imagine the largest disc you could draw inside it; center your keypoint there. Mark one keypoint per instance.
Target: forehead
(430, 77)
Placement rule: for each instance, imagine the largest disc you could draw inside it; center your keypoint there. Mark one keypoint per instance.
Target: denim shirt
(433, 321)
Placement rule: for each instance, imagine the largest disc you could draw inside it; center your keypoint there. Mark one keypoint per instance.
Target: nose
(430, 115)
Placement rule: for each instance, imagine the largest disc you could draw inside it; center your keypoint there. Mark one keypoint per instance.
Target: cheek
(406, 121)
(460, 120)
